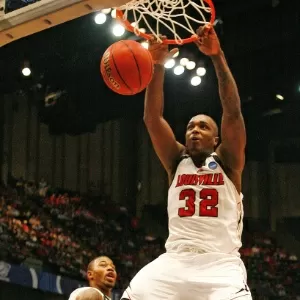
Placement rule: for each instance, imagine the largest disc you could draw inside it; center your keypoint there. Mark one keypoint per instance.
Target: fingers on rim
(204, 30)
(158, 39)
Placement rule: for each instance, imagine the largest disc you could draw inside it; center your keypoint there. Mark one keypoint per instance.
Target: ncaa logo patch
(212, 165)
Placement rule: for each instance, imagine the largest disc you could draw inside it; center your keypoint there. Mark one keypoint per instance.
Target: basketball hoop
(168, 14)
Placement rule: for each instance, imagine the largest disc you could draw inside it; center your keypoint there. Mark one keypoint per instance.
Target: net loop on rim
(165, 13)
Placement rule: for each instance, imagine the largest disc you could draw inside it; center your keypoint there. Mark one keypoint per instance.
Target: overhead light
(201, 71)
(100, 18)
(190, 65)
(279, 97)
(26, 69)
(145, 45)
(196, 80)
(184, 61)
(106, 10)
(113, 13)
(118, 30)
(170, 63)
(178, 70)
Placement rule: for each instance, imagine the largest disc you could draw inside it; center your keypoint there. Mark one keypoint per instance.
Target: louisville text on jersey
(203, 179)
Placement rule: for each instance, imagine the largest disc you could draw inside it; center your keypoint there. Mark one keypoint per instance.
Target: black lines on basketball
(136, 62)
(116, 67)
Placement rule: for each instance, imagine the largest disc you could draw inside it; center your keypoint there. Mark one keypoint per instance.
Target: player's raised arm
(233, 133)
(163, 139)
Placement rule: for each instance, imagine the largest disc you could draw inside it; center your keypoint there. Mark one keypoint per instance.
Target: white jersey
(76, 293)
(205, 209)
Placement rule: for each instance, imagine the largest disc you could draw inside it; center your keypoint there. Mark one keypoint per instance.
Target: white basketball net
(165, 12)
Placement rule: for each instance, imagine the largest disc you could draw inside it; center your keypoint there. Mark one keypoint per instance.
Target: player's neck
(200, 157)
(106, 292)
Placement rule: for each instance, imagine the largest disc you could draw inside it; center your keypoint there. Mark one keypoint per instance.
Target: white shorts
(190, 276)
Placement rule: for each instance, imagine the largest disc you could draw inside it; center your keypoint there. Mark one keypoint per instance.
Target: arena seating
(65, 231)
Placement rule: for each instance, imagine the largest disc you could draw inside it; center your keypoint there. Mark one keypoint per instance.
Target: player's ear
(90, 275)
(186, 138)
(216, 142)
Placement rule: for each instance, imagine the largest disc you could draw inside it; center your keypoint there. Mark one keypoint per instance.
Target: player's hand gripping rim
(160, 51)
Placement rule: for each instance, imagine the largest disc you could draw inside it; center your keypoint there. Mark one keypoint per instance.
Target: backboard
(45, 14)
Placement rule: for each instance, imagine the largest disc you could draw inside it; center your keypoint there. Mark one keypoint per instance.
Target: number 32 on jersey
(209, 199)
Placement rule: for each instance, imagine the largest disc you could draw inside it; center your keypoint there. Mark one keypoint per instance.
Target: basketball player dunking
(202, 260)
(101, 275)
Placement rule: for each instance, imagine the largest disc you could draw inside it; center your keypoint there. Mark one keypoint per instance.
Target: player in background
(101, 275)
(205, 208)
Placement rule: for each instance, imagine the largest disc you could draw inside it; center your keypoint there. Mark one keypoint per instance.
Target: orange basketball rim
(142, 7)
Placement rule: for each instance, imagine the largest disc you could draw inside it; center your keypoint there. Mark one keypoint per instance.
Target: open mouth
(111, 276)
(195, 139)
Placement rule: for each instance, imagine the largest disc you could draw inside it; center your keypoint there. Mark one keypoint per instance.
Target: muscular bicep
(164, 143)
(232, 147)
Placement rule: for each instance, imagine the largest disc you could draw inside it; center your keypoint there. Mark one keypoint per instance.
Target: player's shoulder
(82, 290)
(212, 161)
(76, 292)
(235, 176)
(217, 159)
(181, 159)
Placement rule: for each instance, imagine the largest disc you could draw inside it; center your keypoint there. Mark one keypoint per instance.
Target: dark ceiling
(260, 39)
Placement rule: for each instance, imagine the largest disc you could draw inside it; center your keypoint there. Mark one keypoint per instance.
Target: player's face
(104, 273)
(201, 134)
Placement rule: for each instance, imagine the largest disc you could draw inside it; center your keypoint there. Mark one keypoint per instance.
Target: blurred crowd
(272, 271)
(65, 231)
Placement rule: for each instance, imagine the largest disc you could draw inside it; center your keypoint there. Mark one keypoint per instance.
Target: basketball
(127, 67)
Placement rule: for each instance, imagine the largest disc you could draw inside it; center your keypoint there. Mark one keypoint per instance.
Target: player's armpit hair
(89, 294)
